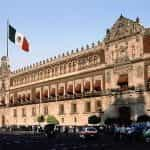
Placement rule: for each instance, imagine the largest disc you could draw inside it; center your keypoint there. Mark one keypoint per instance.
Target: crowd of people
(131, 132)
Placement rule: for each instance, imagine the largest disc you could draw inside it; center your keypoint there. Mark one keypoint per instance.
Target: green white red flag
(18, 39)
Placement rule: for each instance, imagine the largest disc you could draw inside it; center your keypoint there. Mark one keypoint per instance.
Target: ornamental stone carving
(122, 28)
(139, 71)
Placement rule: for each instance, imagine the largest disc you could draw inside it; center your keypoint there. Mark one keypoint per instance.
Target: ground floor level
(76, 112)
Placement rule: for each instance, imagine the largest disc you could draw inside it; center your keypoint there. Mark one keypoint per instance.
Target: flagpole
(7, 35)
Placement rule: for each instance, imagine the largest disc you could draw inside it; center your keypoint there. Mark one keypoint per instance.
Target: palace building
(108, 79)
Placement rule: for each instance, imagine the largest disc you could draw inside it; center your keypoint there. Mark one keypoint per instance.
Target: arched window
(87, 86)
(52, 71)
(70, 89)
(52, 92)
(38, 94)
(11, 100)
(97, 85)
(19, 99)
(95, 59)
(64, 68)
(48, 72)
(61, 91)
(56, 70)
(69, 67)
(90, 59)
(61, 69)
(23, 98)
(40, 75)
(28, 96)
(78, 88)
(74, 66)
(45, 93)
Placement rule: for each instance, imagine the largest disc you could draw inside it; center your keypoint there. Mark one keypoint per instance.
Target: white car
(88, 132)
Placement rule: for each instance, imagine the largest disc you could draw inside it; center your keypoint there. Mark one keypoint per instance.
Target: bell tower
(4, 80)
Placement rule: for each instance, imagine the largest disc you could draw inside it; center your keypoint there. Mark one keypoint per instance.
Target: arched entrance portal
(124, 113)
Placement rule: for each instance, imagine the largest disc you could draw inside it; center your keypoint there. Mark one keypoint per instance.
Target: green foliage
(51, 120)
(40, 118)
(94, 119)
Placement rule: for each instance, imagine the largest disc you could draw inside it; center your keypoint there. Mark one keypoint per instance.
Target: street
(67, 142)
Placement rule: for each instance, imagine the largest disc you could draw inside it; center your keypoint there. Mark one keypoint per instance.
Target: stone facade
(110, 78)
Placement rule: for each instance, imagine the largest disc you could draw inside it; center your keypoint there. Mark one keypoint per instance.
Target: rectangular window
(15, 113)
(33, 111)
(87, 107)
(23, 112)
(46, 110)
(73, 108)
(98, 106)
(61, 109)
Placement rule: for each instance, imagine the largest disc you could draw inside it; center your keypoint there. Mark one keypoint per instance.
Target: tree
(52, 120)
(94, 119)
(40, 118)
(143, 118)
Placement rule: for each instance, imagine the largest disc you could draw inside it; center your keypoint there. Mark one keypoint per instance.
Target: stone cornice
(59, 60)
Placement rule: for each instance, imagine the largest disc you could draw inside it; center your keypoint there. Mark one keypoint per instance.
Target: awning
(38, 95)
(78, 88)
(28, 96)
(19, 96)
(52, 92)
(61, 91)
(87, 86)
(23, 97)
(122, 79)
(97, 85)
(45, 93)
(70, 89)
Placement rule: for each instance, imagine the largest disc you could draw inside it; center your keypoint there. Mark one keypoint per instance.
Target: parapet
(59, 57)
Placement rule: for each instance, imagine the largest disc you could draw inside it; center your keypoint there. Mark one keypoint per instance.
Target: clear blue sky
(57, 26)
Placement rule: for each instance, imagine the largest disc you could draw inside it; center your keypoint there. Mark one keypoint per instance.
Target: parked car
(146, 135)
(87, 132)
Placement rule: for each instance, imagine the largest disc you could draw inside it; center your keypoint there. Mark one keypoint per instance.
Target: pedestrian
(122, 132)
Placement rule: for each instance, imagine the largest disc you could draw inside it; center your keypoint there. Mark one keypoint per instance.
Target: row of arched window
(54, 91)
(55, 70)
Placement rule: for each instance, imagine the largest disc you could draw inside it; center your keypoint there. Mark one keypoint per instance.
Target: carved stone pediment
(122, 56)
(122, 28)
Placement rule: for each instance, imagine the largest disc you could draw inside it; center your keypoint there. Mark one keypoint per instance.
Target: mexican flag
(18, 39)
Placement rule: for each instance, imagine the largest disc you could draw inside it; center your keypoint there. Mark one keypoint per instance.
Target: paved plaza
(67, 142)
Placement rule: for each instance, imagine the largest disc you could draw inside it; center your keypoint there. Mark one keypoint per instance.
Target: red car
(88, 132)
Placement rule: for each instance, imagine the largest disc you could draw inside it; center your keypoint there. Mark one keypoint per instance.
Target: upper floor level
(125, 42)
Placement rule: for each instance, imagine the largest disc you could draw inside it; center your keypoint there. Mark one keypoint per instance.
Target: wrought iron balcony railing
(116, 91)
